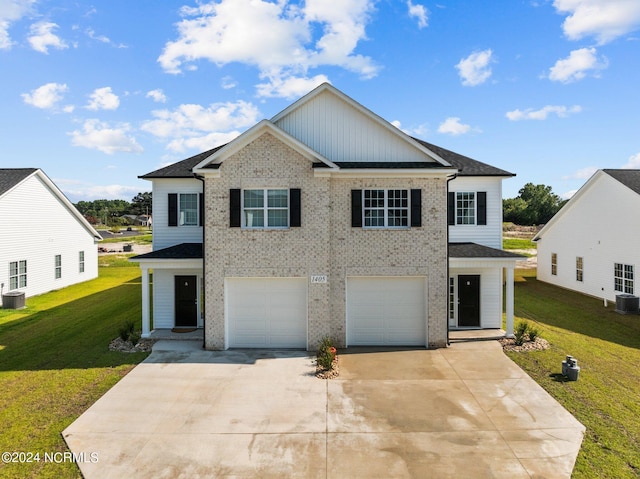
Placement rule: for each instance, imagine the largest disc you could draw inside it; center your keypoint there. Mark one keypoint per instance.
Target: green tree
(534, 205)
(141, 204)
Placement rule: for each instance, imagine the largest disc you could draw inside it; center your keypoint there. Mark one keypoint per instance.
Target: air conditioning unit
(13, 300)
(627, 304)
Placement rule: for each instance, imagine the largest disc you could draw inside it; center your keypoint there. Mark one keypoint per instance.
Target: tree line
(534, 205)
(109, 212)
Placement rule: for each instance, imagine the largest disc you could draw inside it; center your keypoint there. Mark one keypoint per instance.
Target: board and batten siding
(490, 234)
(602, 226)
(164, 235)
(35, 225)
(340, 132)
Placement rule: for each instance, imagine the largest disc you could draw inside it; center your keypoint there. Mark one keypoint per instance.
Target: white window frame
(554, 264)
(188, 216)
(265, 209)
(389, 212)
(623, 278)
(580, 269)
(460, 218)
(17, 274)
(81, 261)
(58, 266)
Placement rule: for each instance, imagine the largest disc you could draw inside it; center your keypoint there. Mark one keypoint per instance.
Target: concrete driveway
(465, 411)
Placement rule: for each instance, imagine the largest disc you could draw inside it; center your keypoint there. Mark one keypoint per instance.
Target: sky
(97, 93)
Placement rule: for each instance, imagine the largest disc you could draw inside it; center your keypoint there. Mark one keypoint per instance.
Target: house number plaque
(318, 278)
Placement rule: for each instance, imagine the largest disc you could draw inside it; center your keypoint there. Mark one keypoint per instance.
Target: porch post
(145, 301)
(509, 301)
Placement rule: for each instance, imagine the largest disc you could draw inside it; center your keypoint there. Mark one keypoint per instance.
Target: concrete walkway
(465, 411)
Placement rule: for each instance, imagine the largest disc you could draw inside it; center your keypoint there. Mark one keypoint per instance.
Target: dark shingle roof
(181, 169)
(388, 164)
(629, 178)
(466, 166)
(10, 177)
(179, 251)
(474, 250)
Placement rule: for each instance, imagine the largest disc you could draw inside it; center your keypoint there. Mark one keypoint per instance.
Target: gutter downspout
(455, 175)
(204, 276)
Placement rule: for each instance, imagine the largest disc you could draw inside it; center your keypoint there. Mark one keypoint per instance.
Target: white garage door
(267, 312)
(386, 311)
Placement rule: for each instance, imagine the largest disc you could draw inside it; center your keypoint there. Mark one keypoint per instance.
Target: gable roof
(12, 177)
(628, 178)
(434, 156)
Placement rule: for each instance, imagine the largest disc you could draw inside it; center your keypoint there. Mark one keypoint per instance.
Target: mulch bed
(332, 373)
(509, 344)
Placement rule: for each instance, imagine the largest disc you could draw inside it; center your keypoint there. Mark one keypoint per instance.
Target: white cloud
(582, 174)
(419, 131)
(475, 69)
(103, 38)
(453, 126)
(291, 87)
(42, 37)
(282, 39)
(568, 194)
(11, 11)
(530, 114)
(98, 135)
(633, 163)
(103, 99)
(420, 13)
(577, 65)
(157, 95)
(227, 83)
(46, 96)
(605, 20)
(194, 126)
(79, 190)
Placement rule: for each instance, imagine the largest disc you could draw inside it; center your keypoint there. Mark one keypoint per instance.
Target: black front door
(469, 301)
(186, 301)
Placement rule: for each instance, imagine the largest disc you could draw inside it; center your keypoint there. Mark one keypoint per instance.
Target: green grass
(55, 362)
(142, 238)
(518, 243)
(606, 397)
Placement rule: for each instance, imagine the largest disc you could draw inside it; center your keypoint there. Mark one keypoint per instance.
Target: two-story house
(326, 221)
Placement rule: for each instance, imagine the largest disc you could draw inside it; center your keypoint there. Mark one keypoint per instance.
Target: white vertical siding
(491, 233)
(602, 226)
(36, 226)
(164, 235)
(340, 132)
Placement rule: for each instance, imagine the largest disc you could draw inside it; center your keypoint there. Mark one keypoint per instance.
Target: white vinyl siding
(489, 234)
(164, 235)
(610, 236)
(40, 227)
(386, 311)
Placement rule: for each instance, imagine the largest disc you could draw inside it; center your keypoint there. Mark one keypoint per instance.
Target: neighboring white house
(45, 243)
(592, 245)
(327, 221)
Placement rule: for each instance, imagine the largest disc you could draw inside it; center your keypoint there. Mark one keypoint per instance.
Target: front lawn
(55, 363)
(606, 397)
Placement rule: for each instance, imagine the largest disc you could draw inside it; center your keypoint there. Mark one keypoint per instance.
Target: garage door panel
(267, 312)
(386, 311)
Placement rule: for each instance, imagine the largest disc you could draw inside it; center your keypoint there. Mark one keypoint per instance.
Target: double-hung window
(579, 269)
(268, 208)
(623, 278)
(385, 208)
(81, 262)
(188, 209)
(58, 269)
(554, 264)
(17, 274)
(467, 208)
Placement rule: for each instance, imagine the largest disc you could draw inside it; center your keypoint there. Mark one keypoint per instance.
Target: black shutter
(356, 208)
(451, 208)
(235, 212)
(482, 207)
(416, 208)
(173, 209)
(294, 207)
(201, 208)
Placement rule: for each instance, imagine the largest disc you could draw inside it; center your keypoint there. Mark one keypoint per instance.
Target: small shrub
(325, 353)
(533, 333)
(126, 330)
(134, 337)
(520, 333)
